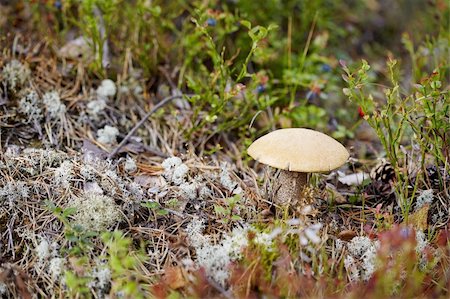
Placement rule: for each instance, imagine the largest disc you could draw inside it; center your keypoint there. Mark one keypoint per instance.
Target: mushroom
(297, 152)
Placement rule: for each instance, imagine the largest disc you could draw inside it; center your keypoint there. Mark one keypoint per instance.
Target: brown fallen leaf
(150, 181)
(347, 235)
(150, 169)
(174, 277)
(18, 277)
(20, 281)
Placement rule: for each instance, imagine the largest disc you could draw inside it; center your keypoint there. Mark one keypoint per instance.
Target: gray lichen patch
(55, 108)
(95, 212)
(15, 74)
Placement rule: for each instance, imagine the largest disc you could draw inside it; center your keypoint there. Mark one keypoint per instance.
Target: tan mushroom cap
(300, 150)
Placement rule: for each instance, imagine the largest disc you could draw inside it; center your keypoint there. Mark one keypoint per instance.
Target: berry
(326, 68)
(211, 22)
(361, 112)
(260, 88)
(58, 4)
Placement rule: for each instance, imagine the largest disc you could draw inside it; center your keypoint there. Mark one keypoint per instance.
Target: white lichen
(43, 251)
(87, 172)
(368, 263)
(95, 212)
(3, 289)
(216, 258)
(29, 105)
(107, 135)
(12, 151)
(438, 216)
(194, 230)
(421, 245)
(136, 190)
(339, 244)
(63, 174)
(130, 165)
(56, 267)
(101, 279)
(12, 192)
(358, 246)
(205, 193)
(96, 106)
(312, 232)
(363, 250)
(188, 191)
(175, 170)
(179, 174)
(52, 102)
(171, 163)
(43, 157)
(15, 74)
(266, 239)
(228, 183)
(106, 89)
(104, 277)
(352, 268)
(425, 197)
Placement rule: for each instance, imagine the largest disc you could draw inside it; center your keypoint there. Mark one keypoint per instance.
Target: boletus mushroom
(297, 152)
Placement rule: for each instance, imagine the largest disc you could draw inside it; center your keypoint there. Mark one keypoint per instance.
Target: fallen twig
(141, 122)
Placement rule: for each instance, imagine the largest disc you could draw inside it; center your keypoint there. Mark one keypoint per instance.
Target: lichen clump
(107, 89)
(175, 170)
(107, 135)
(52, 102)
(216, 258)
(95, 212)
(361, 258)
(15, 74)
(30, 106)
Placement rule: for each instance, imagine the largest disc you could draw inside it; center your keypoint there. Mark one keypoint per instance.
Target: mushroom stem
(289, 186)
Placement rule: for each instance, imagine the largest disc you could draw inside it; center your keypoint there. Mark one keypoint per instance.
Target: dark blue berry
(211, 22)
(260, 88)
(326, 68)
(58, 4)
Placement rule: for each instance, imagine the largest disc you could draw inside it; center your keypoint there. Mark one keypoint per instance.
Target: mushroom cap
(300, 150)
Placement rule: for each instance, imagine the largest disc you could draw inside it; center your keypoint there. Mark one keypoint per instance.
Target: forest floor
(117, 180)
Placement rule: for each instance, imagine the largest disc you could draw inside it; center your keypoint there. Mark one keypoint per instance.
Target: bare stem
(289, 186)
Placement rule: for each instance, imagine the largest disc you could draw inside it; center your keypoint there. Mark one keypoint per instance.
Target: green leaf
(151, 204)
(220, 210)
(155, 11)
(246, 24)
(68, 212)
(162, 212)
(116, 264)
(236, 217)
(272, 27)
